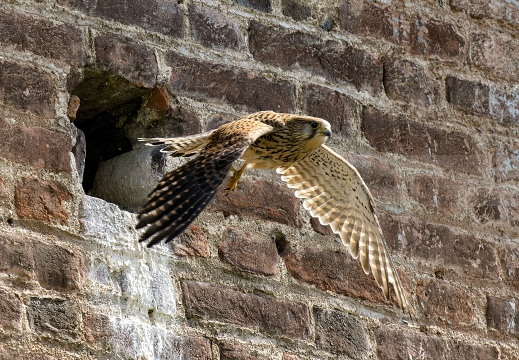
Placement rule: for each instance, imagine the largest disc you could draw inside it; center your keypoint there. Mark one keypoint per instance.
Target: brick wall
(423, 98)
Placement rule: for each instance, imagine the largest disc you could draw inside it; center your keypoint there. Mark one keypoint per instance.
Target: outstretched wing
(334, 192)
(183, 193)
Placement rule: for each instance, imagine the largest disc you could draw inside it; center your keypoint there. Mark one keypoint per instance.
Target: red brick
(159, 99)
(27, 88)
(11, 312)
(268, 315)
(432, 37)
(495, 55)
(368, 19)
(334, 60)
(213, 29)
(445, 304)
(54, 317)
(339, 109)
(466, 254)
(248, 252)
(405, 344)
(53, 266)
(73, 106)
(261, 5)
(229, 85)
(192, 242)
(332, 271)
(296, 9)
(380, 176)
(35, 146)
(319, 228)
(233, 351)
(407, 81)
(134, 62)
(502, 315)
(165, 17)
(485, 9)
(42, 37)
(468, 96)
(193, 348)
(436, 193)
(340, 333)
(453, 150)
(260, 199)
(42, 200)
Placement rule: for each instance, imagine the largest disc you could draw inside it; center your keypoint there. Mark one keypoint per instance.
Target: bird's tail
(180, 146)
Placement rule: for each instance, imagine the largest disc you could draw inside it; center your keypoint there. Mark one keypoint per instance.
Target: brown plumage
(331, 188)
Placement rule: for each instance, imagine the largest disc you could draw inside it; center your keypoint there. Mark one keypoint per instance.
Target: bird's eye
(314, 125)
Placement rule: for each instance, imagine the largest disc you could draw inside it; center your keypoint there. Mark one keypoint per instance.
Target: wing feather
(333, 191)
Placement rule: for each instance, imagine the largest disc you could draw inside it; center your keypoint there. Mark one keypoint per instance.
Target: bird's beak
(327, 133)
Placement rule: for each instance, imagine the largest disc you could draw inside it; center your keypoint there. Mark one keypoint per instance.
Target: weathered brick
(369, 19)
(502, 315)
(27, 88)
(500, 204)
(380, 176)
(35, 146)
(54, 317)
(495, 55)
(335, 60)
(453, 150)
(510, 263)
(193, 348)
(504, 105)
(79, 152)
(213, 29)
(404, 344)
(11, 312)
(407, 81)
(296, 9)
(260, 199)
(340, 333)
(42, 37)
(436, 193)
(134, 62)
(261, 5)
(157, 15)
(465, 253)
(332, 271)
(339, 109)
(268, 315)
(506, 160)
(445, 304)
(97, 329)
(53, 266)
(468, 96)
(192, 242)
(233, 351)
(248, 252)
(484, 9)
(229, 85)
(432, 37)
(319, 228)
(42, 200)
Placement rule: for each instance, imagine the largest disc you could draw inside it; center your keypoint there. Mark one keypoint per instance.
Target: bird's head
(313, 131)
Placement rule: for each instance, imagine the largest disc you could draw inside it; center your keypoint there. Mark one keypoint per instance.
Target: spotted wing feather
(333, 191)
(183, 193)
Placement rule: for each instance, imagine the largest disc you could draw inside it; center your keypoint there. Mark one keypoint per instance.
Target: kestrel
(331, 188)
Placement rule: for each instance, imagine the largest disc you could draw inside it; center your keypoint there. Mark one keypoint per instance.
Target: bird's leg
(233, 181)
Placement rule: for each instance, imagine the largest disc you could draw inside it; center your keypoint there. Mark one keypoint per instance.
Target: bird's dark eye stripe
(314, 125)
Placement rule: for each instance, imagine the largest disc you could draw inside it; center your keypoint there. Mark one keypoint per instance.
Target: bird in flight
(330, 187)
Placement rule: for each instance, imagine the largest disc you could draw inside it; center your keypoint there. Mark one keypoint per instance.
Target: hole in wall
(112, 114)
